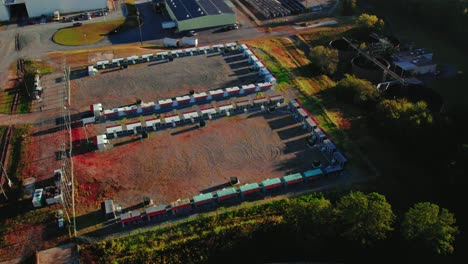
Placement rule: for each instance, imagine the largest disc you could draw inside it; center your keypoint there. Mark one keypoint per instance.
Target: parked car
(77, 24)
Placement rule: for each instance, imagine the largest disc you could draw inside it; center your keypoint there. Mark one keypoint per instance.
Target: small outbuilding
(301, 115)
(133, 127)
(129, 217)
(313, 174)
(100, 141)
(225, 109)
(226, 194)
(270, 184)
(208, 112)
(249, 188)
(181, 206)
(292, 179)
(203, 199)
(153, 123)
(156, 211)
(108, 209)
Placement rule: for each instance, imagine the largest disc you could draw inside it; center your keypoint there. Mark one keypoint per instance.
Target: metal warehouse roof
(187, 9)
(214, 7)
(292, 177)
(312, 173)
(248, 187)
(269, 182)
(202, 197)
(225, 192)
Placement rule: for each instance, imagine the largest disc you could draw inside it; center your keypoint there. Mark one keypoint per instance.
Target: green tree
(432, 225)
(364, 217)
(311, 216)
(324, 60)
(368, 23)
(358, 91)
(402, 115)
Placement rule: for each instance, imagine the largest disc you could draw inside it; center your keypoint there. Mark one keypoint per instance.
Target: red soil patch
(166, 167)
(24, 240)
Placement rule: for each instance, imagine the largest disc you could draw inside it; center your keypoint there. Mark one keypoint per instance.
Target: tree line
(302, 228)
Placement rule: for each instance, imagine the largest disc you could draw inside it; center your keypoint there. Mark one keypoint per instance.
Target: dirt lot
(179, 163)
(162, 79)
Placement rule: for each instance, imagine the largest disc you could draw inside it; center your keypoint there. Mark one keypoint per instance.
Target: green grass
(16, 163)
(6, 101)
(85, 34)
(95, 32)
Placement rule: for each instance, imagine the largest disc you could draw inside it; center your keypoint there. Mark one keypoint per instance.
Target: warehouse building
(198, 14)
(35, 8)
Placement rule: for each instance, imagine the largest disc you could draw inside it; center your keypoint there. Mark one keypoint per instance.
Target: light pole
(139, 26)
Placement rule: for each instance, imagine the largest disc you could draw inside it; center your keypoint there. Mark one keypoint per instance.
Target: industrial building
(198, 14)
(35, 8)
(417, 61)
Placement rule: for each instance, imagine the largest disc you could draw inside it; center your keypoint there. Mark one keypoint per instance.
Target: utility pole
(139, 26)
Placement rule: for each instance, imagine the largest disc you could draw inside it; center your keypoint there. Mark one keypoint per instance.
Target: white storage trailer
(171, 42)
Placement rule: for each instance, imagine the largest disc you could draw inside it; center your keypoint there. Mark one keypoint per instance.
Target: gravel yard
(173, 164)
(157, 80)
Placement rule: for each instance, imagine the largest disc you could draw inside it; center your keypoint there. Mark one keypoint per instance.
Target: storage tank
(345, 51)
(171, 42)
(190, 41)
(366, 69)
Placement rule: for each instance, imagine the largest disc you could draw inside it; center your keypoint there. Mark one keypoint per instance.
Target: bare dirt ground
(174, 164)
(161, 79)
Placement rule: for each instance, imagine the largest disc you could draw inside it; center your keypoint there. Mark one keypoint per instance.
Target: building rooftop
(413, 58)
(188, 9)
(248, 187)
(202, 197)
(292, 177)
(312, 173)
(269, 182)
(225, 192)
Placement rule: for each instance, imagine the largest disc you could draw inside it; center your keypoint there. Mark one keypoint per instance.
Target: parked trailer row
(184, 101)
(317, 136)
(212, 199)
(121, 62)
(189, 116)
